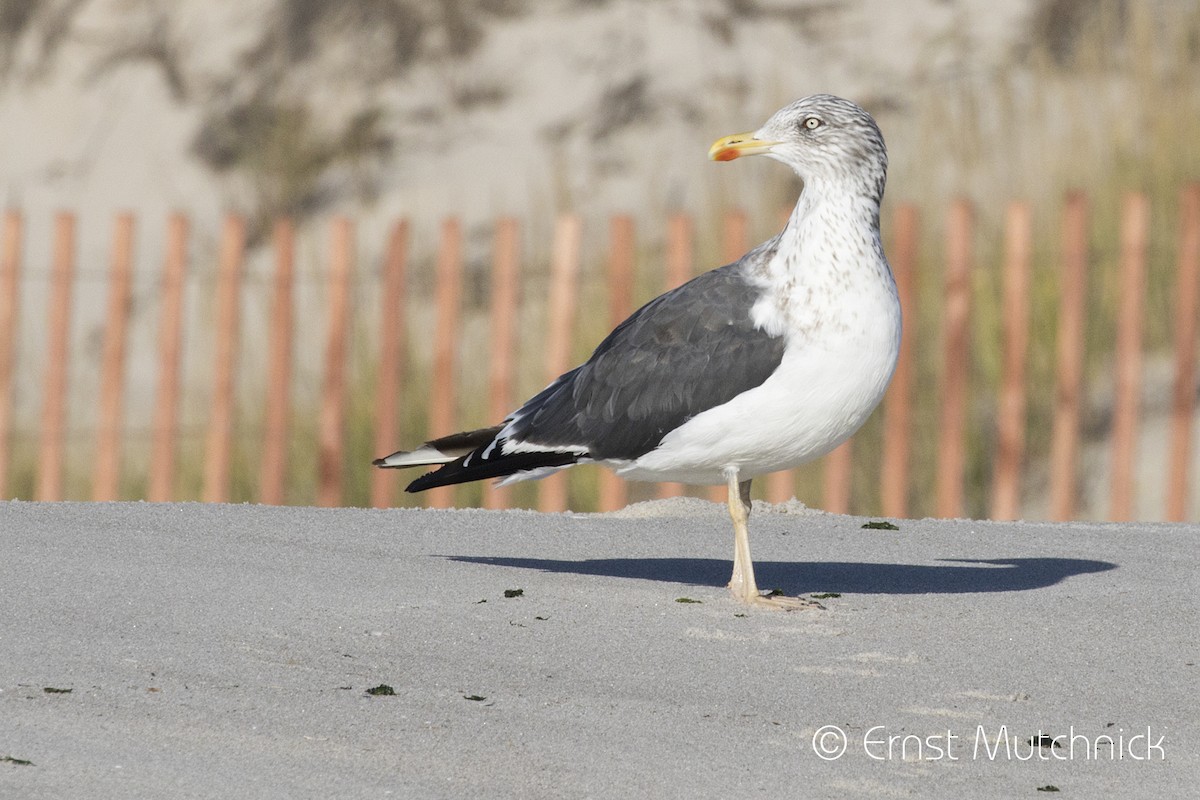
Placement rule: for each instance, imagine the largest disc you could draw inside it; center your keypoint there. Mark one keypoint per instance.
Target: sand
(222, 651)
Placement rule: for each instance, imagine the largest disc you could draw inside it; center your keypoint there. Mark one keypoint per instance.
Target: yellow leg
(742, 584)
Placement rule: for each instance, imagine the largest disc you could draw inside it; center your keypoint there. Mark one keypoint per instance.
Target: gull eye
(812, 123)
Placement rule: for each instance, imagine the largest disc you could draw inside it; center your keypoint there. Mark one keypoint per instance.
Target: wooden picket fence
(563, 312)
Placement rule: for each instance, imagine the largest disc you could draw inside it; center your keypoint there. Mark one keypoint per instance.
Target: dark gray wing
(682, 353)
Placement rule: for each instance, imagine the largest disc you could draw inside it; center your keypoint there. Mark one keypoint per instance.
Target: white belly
(821, 394)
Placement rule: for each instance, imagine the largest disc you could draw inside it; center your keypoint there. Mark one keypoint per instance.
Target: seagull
(757, 366)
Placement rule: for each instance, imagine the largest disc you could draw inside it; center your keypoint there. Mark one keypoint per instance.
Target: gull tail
(475, 456)
(439, 451)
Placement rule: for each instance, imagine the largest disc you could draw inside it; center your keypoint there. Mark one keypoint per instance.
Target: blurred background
(420, 110)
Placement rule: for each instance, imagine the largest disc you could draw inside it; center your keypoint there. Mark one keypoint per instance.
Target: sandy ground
(222, 651)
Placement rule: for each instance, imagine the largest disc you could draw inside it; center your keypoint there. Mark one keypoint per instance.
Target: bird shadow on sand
(948, 576)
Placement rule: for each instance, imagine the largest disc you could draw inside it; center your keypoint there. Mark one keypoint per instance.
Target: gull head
(826, 140)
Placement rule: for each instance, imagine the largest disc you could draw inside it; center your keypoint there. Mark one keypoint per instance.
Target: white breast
(834, 300)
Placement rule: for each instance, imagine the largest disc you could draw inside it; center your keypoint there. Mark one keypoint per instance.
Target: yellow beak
(739, 144)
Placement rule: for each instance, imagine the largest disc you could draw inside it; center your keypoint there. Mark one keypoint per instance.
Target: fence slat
(562, 305)
(613, 492)
(735, 235)
(781, 486)
(1064, 444)
(1135, 221)
(331, 433)
(839, 467)
(951, 451)
(170, 345)
(218, 447)
(897, 407)
(273, 465)
(106, 474)
(10, 273)
(1010, 422)
(506, 262)
(54, 400)
(679, 258)
(1187, 309)
(393, 360)
(443, 398)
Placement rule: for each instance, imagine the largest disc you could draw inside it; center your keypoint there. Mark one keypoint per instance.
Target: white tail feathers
(421, 457)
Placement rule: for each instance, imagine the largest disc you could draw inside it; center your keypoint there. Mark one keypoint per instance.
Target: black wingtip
(480, 469)
(426, 481)
(378, 462)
